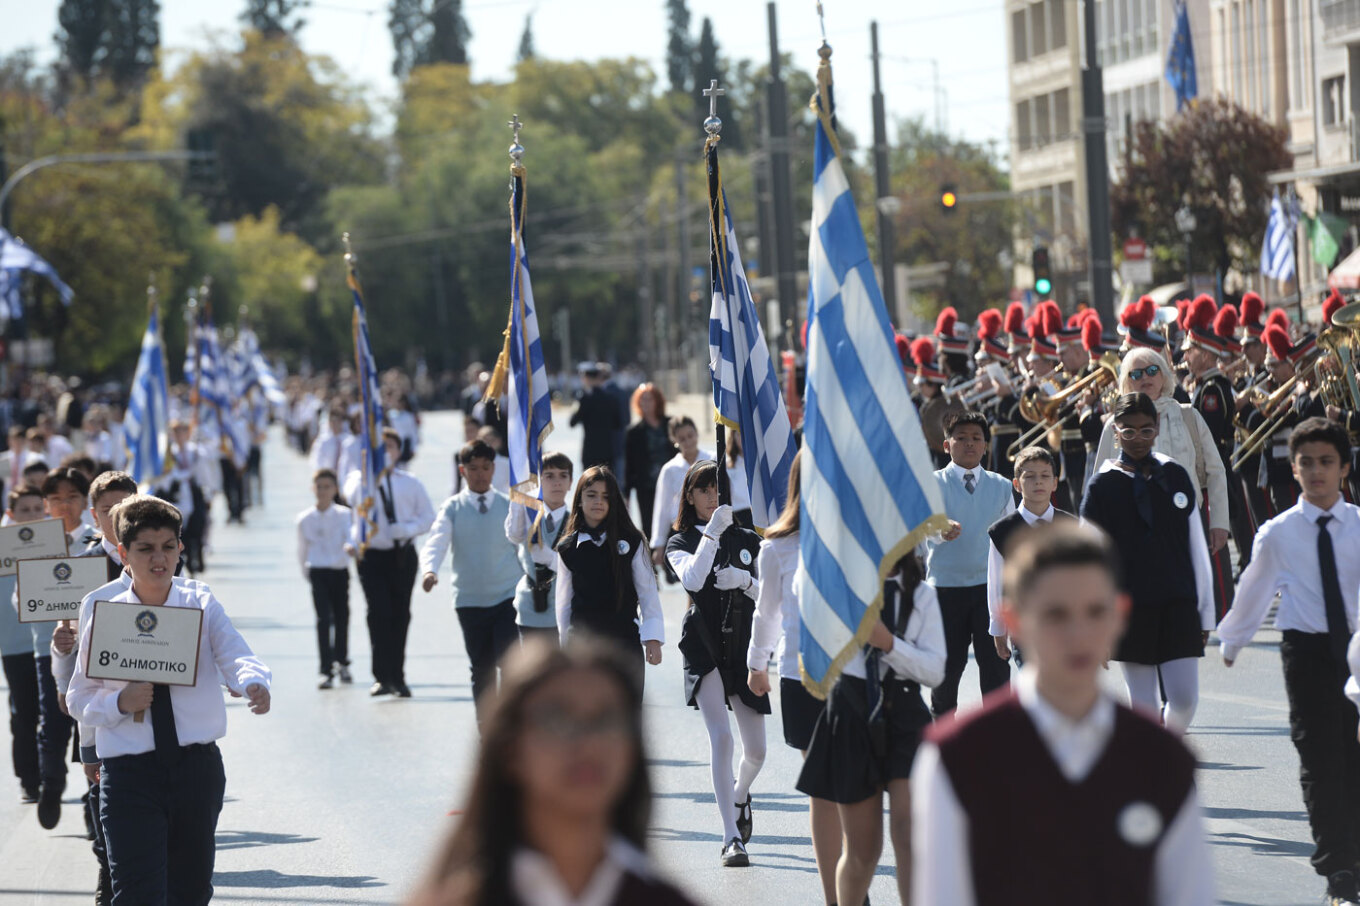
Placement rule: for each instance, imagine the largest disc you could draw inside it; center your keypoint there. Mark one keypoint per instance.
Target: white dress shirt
(521, 520)
(1284, 559)
(325, 452)
(322, 535)
(941, 849)
(693, 569)
(652, 623)
(200, 714)
(669, 482)
(776, 607)
(919, 652)
(996, 565)
(410, 504)
(534, 879)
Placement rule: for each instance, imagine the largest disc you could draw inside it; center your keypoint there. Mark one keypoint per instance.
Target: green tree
(132, 40)
(526, 40)
(1214, 157)
(679, 47)
(427, 31)
(274, 17)
(82, 35)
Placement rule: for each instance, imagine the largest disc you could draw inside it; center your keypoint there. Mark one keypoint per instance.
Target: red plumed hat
(944, 324)
(1015, 318)
(923, 351)
(1252, 308)
(1182, 312)
(1090, 334)
(903, 348)
(1280, 318)
(1277, 339)
(1200, 313)
(1139, 315)
(1075, 319)
(1225, 322)
(1052, 316)
(1034, 325)
(989, 323)
(1330, 306)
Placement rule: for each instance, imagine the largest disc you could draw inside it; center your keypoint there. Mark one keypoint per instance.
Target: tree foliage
(1213, 157)
(274, 17)
(117, 39)
(526, 41)
(679, 46)
(426, 32)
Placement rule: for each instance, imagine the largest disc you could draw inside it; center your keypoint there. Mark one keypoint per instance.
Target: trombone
(1275, 408)
(1047, 410)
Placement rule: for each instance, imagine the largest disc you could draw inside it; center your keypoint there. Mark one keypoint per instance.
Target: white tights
(1180, 679)
(751, 726)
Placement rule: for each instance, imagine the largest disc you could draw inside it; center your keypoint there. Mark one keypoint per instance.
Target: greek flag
(1277, 254)
(373, 461)
(746, 395)
(868, 490)
(148, 412)
(1180, 61)
(520, 372)
(15, 258)
(209, 374)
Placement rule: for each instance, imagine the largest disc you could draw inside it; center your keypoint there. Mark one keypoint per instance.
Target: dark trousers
(964, 611)
(537, 632)
(488, 632)
(1282, 497)
(1074, 475)
(388, 577)
(233, 488)
(1322, 724)
(160, 826)
(22, 678)
(330, 597)
(105, 893)
(1240, 518)
(646, 500)
(254, 483)
(54, 730)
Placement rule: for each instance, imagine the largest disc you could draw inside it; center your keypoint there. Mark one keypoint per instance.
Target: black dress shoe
(49, 805)
(401, 690)
(379, 689)
(744, 820)
(734, 854)
(28, 794)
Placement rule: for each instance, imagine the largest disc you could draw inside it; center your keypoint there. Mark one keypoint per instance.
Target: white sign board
(143, 643)
(1136, 270)
(51, 588)
(30, 540)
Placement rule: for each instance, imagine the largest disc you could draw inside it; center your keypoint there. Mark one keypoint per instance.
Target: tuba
(1342, 340)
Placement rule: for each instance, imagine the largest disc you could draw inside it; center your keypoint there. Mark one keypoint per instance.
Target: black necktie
(969, 483)
(549, 524)
(163, 726)
(1142, 499)
(1338, 630)
(481, 504)
(873, 683)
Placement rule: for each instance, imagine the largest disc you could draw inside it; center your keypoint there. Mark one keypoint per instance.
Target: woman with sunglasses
(1146, 502)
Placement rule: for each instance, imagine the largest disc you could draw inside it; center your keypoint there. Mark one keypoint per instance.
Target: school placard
(143, 643)
(30, 540)
(51, 588)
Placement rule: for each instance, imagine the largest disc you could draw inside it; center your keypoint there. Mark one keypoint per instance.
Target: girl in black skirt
(859, 750)
(716, 563)
(776, 615)
(1147, 503)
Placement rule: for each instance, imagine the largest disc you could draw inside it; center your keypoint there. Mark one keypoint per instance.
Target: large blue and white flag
(1277, 252)
(208, 372)
(15, 259)
(520, 374)
(1180, 60)
(868, 491)
(373, 457)
(746, 395)
(146, 424)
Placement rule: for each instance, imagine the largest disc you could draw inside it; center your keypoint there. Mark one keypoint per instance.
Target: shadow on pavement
(1266, 846)
(274, 880)
(250, 839)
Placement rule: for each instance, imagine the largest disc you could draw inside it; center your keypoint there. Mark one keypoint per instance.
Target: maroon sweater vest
(1039, 840)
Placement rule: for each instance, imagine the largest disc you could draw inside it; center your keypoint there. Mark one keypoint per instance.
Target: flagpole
(717, 255)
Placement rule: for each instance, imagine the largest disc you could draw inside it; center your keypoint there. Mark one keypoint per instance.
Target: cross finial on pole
(713, 125)
(516, 149)
(821, 17)
(516, 125)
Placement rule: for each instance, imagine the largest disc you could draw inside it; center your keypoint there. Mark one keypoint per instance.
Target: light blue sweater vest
(963, 561)
(486, 565)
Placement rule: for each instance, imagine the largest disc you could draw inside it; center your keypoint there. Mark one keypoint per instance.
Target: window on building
(1154, 95)
(1038, 29)
(1043, 128)
(1024, 132)
(1235, 60)
(1067, 211)
(1136, 27)
(1045, 208)
(1019, 41)
(1263, 56)
(1294, 28)
(1333, 100)
(1223, 77)
(1057, 23)
(1062, 115)
(1125, 30)
(1250, 65)
(1150, 22)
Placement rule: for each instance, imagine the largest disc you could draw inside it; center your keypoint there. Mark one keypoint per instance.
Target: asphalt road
(337, 798)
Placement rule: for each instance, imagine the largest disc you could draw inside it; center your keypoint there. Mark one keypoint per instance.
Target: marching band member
(1075, 361)
(951, 338)
(1273, 474)
(933, 406)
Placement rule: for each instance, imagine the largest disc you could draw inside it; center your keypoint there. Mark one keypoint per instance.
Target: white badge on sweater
(1180, 500)
(1139, 824)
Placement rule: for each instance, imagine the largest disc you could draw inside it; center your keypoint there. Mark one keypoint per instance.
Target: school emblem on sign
(1139, 824)
(62, 572)
(745, 558)
(146, 622)
(1180, 500)
(25, 534)
(623, 547)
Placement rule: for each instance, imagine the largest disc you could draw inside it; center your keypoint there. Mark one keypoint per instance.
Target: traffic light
(949, 197)
(1043, 277)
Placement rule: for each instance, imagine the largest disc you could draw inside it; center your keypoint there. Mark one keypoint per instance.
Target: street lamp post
(1185, 222)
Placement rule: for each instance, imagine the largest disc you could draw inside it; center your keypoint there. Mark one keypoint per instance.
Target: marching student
(1147, 503)
(24, 504)
(13, 459)
(1098, 825)
(484, 567)
(325, 452)
(387, 567)
(1306, 555)
(322, 532)
(666, 505)
(866, 737)
(189, 485)
(956, 562)
(161, 780)
(1036, 478)
(500, 478)
(776, 616)
(535, 535)
(715, 560)
(605, 581)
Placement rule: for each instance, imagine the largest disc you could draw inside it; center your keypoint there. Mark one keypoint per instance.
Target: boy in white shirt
(535, 533)
(323, 531)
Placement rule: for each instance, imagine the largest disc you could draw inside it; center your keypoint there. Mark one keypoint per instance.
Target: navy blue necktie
(163, 726)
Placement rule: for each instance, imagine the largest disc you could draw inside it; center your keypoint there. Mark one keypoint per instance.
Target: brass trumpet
(1275, 408)
(1049, 410)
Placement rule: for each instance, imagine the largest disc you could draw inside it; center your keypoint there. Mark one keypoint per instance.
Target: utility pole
(781, 183)
(764, 199)
(887, 241)
(647, 323)
(1097, 172)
